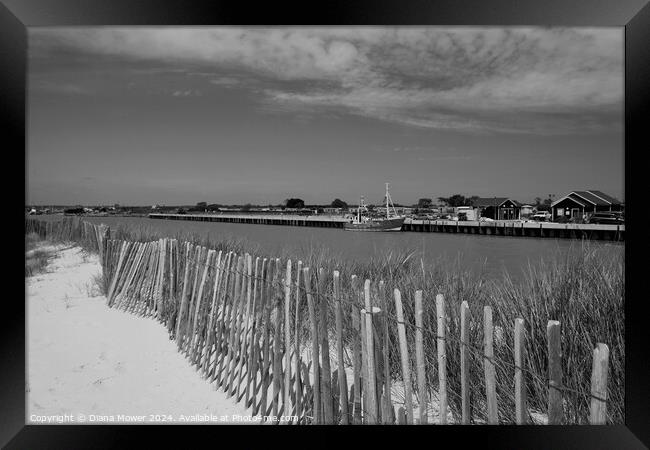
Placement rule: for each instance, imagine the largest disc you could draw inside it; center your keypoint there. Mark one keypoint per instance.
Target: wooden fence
(261, 330)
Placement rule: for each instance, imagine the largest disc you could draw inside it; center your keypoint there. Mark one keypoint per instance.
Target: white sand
(87, 361)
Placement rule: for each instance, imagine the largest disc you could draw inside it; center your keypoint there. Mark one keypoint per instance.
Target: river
(487, 255)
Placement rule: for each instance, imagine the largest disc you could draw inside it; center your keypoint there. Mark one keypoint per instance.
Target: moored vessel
(366, 223)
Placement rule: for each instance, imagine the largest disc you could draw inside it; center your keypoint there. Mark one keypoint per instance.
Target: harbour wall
(496, 228)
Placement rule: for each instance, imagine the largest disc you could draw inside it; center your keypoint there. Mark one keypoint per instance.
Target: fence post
(490, 374)
(179, 315)
(314, 346)
(387, 411)
(464, 363)
(251, 364)
(364, 367)
(194, 299)
(555, 409)
(442, 357)
(373, 405)
(419, 357)
(230, 323)
(521, 410)
(221, 335)
(599, 372)
(200, 252)
(287, 340)
(160, 278)
(116, 272)
(356, 352)
(241, 341)
(193, 342)
(277, 340)
(297, 370)
(266, 335)
(343, 389)
(239, 349)
(210, 338)
(326, 373)
(406, 367)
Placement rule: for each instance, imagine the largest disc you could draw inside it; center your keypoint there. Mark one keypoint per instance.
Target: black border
(16, 15)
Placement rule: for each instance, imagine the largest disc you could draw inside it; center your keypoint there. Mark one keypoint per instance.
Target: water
(487, 255)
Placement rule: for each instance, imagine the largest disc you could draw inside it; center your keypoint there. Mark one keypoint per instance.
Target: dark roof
(484, 202)
(591, 198)
(594, 197)
(572, 198)
(612, 200)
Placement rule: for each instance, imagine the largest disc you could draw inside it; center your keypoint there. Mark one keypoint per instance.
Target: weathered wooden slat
(356, 352)
(599, 373)
(258, 305)
(490, 372)
(387, 406)
(521, 410)
(555, 408)
(287, 338)
(419, 358)
(343, 389)
(297, 370)
(326, 373)
(464, 363)
(314, 346)
(372, 411)
(404, 353)
(183, 306)
(442, 357)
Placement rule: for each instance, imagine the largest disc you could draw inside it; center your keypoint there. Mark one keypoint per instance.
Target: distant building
(579, 204)
(526, 210)
(498, 208)
(466, 213)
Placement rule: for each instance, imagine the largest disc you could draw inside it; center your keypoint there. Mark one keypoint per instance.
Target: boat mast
(387, 194)
(389, 201)
(359, 209)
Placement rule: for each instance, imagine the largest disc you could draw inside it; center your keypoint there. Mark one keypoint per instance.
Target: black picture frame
(634, 15)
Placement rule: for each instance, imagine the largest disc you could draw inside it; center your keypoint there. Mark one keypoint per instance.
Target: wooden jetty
(495, 228)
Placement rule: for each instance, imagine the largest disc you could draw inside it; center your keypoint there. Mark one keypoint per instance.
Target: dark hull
(378, 225)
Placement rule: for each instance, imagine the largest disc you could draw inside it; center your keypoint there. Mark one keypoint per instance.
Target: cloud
(187, 93)
(60, 87)
(524, 80)
(226, 81)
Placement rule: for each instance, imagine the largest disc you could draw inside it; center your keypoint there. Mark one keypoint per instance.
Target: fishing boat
(366, 223)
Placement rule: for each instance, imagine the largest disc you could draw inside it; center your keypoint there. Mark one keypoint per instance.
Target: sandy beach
(87, 363)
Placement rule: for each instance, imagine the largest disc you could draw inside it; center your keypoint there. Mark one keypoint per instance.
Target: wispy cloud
(187, 93)
(226, 81)
(60, 88)
(530, 80)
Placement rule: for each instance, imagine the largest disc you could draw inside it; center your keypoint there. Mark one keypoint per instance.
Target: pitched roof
(591, 198)
(574, 198)
(484, 202)
(612, 200)
(594, 197)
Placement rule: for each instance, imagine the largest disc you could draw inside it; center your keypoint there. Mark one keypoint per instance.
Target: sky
(178, 115)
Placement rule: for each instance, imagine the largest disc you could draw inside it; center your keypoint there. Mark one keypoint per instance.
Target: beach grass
(582, 288)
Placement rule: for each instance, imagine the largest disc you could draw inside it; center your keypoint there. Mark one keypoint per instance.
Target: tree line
(423, 203)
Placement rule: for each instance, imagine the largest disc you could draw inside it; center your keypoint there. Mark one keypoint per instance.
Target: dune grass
(582, 288)
(36, 259)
